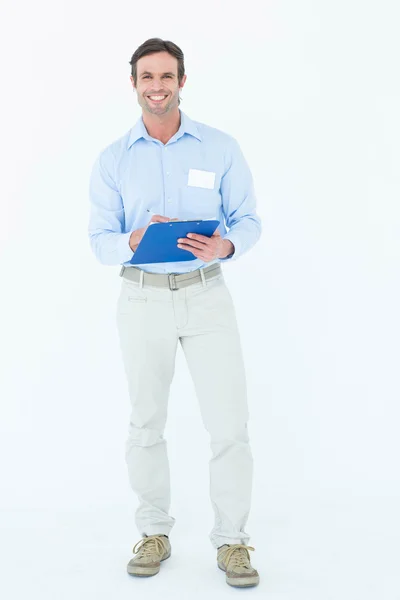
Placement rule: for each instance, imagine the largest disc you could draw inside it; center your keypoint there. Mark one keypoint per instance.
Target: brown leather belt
(173, 281)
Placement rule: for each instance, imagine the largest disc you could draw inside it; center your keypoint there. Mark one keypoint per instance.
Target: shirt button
(169, 199)
(167, 172)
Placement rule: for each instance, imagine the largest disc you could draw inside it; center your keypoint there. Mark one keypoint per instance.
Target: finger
(189, 249)
(190, 244)
(197, 236)
(159, 219)
(185, 247)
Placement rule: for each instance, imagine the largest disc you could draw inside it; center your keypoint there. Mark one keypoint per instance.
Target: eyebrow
(148, 73)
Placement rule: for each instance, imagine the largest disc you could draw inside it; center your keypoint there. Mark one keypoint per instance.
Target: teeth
(157, 97)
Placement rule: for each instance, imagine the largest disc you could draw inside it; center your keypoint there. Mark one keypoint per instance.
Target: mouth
(157, 99)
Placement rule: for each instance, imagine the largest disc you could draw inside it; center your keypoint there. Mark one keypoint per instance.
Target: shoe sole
(242, 582)
(140, 571)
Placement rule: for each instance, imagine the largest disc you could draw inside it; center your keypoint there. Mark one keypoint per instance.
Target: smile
(157, 98)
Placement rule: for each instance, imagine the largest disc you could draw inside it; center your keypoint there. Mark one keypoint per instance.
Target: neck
(162, 127)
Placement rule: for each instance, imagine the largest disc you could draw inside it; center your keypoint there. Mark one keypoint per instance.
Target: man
(177, 168)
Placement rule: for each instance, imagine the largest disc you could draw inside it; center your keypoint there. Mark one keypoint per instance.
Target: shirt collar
(188, 126)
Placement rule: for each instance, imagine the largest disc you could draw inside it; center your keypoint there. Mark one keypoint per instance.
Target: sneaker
(151, 551)
(234, 559)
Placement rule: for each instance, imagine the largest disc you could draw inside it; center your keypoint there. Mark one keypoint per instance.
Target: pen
(153, 213)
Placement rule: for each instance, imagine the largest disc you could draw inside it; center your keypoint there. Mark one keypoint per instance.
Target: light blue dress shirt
(138, 172)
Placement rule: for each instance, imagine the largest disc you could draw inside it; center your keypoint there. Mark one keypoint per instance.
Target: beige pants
(201, 317)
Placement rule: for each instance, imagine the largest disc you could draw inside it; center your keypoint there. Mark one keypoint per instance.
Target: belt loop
(203, 279)
(141, 279)
(122, 271)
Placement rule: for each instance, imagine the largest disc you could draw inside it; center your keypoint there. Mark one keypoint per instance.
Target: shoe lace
(238, 555)
(150, 545)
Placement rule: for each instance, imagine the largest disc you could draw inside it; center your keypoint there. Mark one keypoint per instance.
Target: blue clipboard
(159, 243)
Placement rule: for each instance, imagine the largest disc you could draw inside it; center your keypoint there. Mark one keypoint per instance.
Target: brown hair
(154, 45)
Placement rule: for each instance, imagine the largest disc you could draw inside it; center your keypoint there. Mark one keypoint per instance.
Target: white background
(311, 91)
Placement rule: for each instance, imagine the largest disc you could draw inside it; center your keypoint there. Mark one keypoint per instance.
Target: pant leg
(148, 341)
(211, 344)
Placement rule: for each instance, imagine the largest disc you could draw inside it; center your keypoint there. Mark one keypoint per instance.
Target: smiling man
(176, 168)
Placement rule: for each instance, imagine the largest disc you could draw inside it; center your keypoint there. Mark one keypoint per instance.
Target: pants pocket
(131, 296)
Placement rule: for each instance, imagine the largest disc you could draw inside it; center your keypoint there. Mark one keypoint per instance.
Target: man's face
(157, 76)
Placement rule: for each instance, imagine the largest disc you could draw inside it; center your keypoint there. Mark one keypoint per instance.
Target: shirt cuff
(234, 255)
(125, 252)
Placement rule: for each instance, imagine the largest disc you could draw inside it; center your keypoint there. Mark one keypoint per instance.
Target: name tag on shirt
(203, 179)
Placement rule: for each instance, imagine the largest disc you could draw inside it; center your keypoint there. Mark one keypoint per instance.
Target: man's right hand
(137, 235)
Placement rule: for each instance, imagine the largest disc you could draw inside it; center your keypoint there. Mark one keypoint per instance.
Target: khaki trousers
(151, 321)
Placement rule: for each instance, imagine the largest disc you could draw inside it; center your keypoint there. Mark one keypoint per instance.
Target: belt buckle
(171, 277)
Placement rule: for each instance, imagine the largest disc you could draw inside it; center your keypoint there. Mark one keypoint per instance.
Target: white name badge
(204, 179)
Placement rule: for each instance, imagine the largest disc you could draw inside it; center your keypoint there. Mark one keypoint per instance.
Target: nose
(157, 85)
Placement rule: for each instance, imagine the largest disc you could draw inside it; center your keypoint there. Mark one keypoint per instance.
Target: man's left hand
(206, 248)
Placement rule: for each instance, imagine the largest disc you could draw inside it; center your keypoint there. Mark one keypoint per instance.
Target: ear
(133, 83)
(182, 83)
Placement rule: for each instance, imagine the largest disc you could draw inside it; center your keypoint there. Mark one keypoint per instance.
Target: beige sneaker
(151, 551)
(235, 560)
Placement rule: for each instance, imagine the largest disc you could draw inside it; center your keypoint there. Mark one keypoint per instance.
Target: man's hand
(206, 248)
(137, 235)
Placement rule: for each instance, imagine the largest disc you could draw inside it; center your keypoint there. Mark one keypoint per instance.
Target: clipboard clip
(171, 279)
